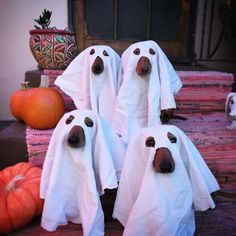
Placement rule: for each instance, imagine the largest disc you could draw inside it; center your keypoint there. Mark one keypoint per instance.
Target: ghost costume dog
(91, 80)
(163, 180)
(230, 109)
(149, 84)
(84, 158)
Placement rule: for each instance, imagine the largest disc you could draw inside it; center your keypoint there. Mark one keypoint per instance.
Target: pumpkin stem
(25, 85)
(11, 185)
(44, 83)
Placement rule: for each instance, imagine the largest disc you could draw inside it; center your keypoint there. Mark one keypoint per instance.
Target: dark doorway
(118, 23)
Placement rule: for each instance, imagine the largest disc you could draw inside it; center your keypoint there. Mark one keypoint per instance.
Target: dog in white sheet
(84, 158)
(163, 180)
(230, 109)
(148, 86)
(91, 80)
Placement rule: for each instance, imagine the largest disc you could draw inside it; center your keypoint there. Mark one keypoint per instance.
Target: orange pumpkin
(39, 108)
(44, 108)
(19, 196)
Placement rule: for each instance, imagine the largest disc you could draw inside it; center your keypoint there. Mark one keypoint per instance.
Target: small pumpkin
(45, 107)
(39, 108)
(19, 196)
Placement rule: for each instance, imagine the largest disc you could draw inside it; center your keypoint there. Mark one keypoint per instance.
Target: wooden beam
(115, 19)
(149, 11)
(80, 25)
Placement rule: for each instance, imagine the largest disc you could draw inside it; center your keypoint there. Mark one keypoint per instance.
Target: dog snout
(76, 137)
(163, 161)
(98, 66)
(166, 167)
(144, 66)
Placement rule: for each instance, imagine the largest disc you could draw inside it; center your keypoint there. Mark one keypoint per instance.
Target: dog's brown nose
(163, 161)
(76, 137)
(98, 66)
(144, 66)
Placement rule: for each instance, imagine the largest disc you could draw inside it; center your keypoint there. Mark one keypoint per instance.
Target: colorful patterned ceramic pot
(52, 48)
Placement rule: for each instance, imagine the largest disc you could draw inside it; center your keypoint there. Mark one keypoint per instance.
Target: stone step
(205, 78)
(192, 100)
(203, 91)
(215, 142)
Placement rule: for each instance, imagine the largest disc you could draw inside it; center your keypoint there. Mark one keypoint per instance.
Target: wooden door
(119, 23)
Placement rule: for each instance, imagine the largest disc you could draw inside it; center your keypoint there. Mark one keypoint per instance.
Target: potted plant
(52, 48)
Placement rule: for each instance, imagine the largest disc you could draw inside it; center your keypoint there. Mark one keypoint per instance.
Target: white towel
(141, 99)
(156, 204)
(74, 178)
(89, 90)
